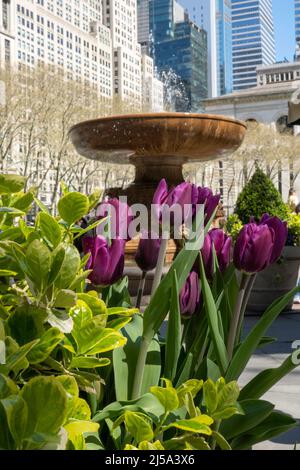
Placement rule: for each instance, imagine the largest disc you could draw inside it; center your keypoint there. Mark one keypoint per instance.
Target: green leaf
(173, 337)
(22, 201)
(47, 405)
(96, 305)
(124, 361)
(199, 424)
(123, 311)
(50, 229)
(212, 318)
(210, 396)
(94, 198)
(10, 184)
(6, 439)
(7, 387)
(73, 206)
(26, 323)
(65, 298)
(61, 320)
(48, 342)
(118, 323)
(109, 340)
(274, 425)
(255, 411)
(167, 397)
(146, 445)
(17, 360)
(38, 258)
(41, 205)
(7, 273)
(192, 386)
(11, 211)
(82, 315)
(147, 403)
(190, 442)
(17, 414)
(83, 362)
(221, 441)
(76, 429)
(68, 267)
(69, 384)
(266, 379)
(251, 342)
(138, 425)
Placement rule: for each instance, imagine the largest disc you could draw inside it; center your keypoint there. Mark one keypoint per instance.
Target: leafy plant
(294, 229)
(233, 226)
(49, 324)
(258, 197)
(182, 418)
(100, 361)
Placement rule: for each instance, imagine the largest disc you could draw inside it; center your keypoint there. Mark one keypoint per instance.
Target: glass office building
(180, 46)
(253, 40)
(224, 47)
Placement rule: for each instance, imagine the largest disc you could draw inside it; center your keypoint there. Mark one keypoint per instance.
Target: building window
(5, 14)
(7, 51)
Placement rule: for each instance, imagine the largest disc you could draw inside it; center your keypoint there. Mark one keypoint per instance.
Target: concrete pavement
(286, 394)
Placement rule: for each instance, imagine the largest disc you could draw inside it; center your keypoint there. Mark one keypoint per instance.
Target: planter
(275, 281)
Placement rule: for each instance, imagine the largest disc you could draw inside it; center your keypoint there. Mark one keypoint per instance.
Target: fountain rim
(169, 115)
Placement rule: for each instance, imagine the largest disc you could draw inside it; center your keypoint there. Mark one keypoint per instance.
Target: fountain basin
(158, 145)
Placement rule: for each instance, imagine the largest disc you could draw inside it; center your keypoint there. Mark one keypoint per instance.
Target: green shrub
(233, 226)
(258, 197)
(294, 229)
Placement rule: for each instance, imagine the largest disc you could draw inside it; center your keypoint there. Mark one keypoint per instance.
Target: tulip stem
(245, 303)
(141, 289)
(140, 366)
(160, 265)
(236, 315)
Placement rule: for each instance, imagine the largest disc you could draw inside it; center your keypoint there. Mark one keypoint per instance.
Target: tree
(41, 106)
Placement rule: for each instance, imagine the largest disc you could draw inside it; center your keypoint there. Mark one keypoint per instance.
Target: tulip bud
(253, 248)
(106, 261)
(147, 253)
(222, 244)
(281, 233)
(189, 297)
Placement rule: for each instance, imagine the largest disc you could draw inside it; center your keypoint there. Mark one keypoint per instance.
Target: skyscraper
(215, 17)
(253, 40)
(177, 46)
(297, 28)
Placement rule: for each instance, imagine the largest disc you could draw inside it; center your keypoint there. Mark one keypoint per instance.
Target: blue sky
(284, 26)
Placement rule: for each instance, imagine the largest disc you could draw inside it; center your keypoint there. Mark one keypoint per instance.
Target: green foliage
(258, 197)
(233, 226)
(179, 423)
(49, 325)
(294, 229)
(78, 350)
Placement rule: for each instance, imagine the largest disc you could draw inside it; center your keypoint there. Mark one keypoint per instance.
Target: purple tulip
(106, 261)
(254, 248)
(211, 202)
(222, 244)
(259, 245)
(189, 297)
(185, 194)
(281, 233)
(147, 253)
(120, 217)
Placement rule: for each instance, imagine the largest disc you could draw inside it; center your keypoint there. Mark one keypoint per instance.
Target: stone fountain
(158, 145)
